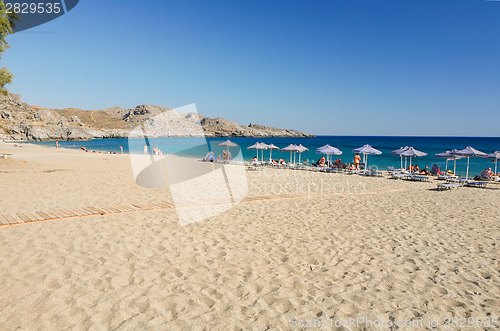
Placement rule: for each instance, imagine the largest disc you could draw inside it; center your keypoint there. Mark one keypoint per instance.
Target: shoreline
(386, 145)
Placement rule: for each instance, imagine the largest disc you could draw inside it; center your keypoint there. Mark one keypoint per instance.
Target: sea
(198, 147)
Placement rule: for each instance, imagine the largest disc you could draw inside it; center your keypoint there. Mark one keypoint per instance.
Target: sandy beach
(292, 251)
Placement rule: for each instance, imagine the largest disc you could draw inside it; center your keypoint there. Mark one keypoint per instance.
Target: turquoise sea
(198, 147)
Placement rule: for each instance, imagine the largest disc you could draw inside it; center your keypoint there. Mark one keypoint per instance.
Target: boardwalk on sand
(48, 215)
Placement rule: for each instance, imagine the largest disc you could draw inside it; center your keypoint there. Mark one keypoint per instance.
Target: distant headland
(20, 121)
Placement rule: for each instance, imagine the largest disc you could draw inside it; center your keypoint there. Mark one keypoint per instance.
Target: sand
(293, 252)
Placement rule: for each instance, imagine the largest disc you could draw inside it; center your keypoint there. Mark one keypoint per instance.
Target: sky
(328, 67)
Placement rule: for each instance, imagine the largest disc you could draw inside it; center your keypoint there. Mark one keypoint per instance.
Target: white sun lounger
(446, 177)
(416, 177)
(421, 178)
(397, 176)
(476, 184)
(448, 186)
(376, 173)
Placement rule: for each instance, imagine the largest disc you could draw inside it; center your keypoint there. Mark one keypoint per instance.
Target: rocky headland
(20, 121)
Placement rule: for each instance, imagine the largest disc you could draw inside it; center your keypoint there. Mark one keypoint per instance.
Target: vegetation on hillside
(7, 23)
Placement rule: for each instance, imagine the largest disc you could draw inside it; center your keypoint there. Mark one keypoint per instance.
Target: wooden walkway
(45, 215)
(57, 214)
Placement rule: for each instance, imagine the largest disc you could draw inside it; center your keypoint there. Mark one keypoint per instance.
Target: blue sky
(336, 67)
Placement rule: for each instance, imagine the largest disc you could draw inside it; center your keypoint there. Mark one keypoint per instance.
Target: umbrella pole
(290, 157)
(411, 171)
(401, 161)
(496, 161)
(446, 165)
(270, 153)
(299, 156)
(467, 176)
(454, 166)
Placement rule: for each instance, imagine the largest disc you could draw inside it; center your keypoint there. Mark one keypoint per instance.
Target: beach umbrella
(258, 146)
(469, 152)
(290, 148)
(398, 153)
(366, 150)
(412, 152)
(495, 155)
(328, 150)
(450, 155)
(270, 147)
(228, 143)
(318, 150)
(301, 150)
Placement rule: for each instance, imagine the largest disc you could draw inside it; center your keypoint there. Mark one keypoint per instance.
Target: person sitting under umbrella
(435, 169)
(424, 171)
(486, 174)
(321, 162)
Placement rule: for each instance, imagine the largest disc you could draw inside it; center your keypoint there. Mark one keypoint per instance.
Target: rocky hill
(21, 121)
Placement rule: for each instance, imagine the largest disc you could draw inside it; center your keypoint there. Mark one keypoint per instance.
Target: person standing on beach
(145, 149)
(121, 149)
(57, 144)
(357, 159)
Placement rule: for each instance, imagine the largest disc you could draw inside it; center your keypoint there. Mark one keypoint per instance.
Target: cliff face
(21, 121)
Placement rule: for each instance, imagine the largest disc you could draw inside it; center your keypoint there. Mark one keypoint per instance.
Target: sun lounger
(375, 173)
(397, 176)
(445, 177)
(416, 177)
(334, 170)
(392, 170)
(458, 180)
(298, 166)
(476, 184)
(448, 186)
(421, 178)
(371, 173)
